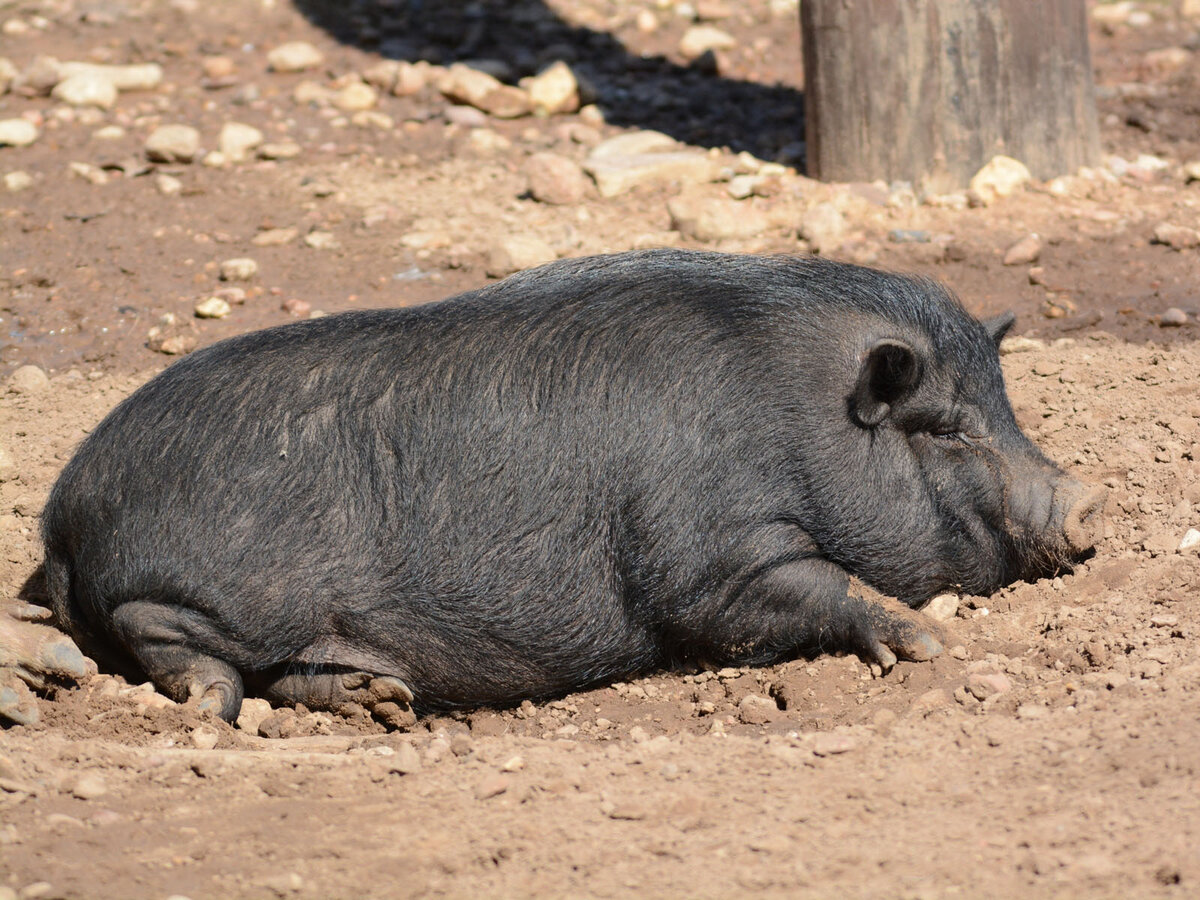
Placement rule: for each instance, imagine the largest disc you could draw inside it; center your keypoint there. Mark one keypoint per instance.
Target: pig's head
(957, 497)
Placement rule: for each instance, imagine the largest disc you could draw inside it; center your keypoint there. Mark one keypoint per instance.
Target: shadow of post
(693, 104)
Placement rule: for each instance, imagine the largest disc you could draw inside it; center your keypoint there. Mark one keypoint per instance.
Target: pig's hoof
(389, 688)
(218, 698)
(33, 655)
(895, 631)
(17, 703)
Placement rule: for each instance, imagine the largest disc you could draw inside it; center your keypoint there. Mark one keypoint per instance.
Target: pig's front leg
(810, 607)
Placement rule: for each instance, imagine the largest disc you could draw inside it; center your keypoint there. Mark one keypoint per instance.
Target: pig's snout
(1082, 512)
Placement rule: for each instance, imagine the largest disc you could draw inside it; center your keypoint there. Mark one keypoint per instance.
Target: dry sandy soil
(1053, 751)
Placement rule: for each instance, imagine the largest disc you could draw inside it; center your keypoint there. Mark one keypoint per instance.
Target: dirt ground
(1053, 751)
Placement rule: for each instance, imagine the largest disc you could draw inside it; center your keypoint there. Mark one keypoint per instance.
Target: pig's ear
(998, 326)
(889, 373)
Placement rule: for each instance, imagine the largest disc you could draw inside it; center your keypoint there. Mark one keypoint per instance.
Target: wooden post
(927, 91)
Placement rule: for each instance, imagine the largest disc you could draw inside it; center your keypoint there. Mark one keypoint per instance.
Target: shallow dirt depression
(1054, 750)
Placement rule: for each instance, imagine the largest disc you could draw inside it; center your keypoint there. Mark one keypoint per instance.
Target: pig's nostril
(1084, 522)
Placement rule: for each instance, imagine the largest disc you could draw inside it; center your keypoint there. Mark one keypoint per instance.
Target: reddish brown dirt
(1077, 777)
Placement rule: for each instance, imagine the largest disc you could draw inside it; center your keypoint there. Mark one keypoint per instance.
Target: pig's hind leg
(808, 606)
(166, 641)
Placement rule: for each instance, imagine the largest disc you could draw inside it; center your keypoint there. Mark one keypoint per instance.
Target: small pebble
(17, 181)
(355, 97)
(274, 237)
(831, 743)
(513, 764)
(252, 713)
(320, 240)
(86, 89)
(983, 685)
(405, 761)
(295, 56)
(280, 150)
(1024, 251)
(943, 607)
(89, 786)
(173, 143)
(168, 185)
(17, 132)
(1173, 318)
(241, 268)
(237, 140)
(218, 68)
(491, 786)
(212, 308)
(28, 380)
(204, 737)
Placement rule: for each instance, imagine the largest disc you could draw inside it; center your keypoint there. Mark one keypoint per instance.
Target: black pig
(592, 469)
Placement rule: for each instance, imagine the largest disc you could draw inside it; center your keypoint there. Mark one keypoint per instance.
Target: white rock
(1190, 539)
(168, 185)
(28, 380)
(824, 227)
(410, 78)
(518, 252)
(1024, 251)
(212, 308)
(204, 737)
(109, 133)
(372, 118)
(242, 268)
(463, 84)
(356, 97)
(555, 179)
(633, 143)
(617, 174)
(237, 140)
(1113, 13)
(88, 172)
(311, 93)
(1172, 317)
(943, 607)
(17, 181)
(320, 240)
(295, 56)
(17, 132)
(1001, 176)
(253, 711)
(8, 465)
(86, 90)
(139, 77)
(280, 150)
(173, 143)
(8, 74)
(1016, 343)
(555, 90)
(89, 786)
(1178, 237)
(711, 219)
(699, 39)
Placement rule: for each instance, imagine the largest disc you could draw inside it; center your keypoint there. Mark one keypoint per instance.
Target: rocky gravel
(172, 173)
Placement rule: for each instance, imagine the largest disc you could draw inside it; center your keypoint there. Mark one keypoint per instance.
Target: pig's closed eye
(952, 434)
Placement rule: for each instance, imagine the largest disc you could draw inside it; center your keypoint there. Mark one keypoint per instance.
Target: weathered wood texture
(929, 90)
